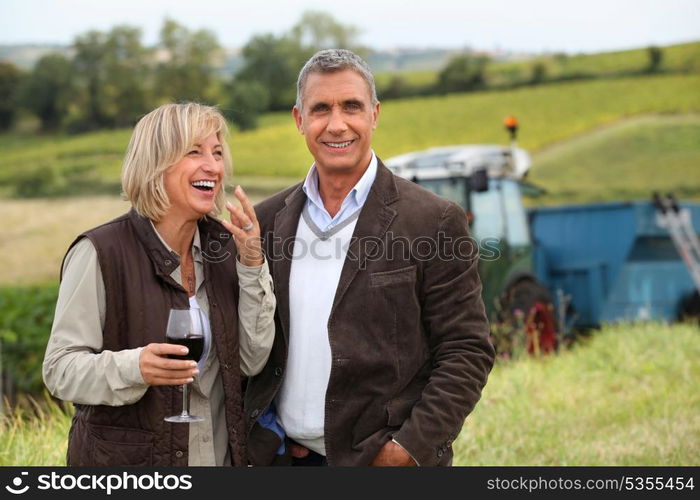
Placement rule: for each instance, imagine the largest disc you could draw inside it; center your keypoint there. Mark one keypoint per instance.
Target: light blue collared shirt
(353, 201)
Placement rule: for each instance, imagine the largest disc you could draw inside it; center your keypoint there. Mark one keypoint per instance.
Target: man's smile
(339, 145)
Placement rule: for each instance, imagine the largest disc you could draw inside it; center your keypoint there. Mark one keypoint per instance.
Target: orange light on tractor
(511, 124)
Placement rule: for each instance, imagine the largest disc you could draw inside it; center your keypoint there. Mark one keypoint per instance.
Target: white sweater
(316, 266)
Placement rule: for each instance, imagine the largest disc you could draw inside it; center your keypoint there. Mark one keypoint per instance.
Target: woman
(107, 351)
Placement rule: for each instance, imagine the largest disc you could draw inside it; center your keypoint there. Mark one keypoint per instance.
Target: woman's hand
(158, 369)
(245, 229)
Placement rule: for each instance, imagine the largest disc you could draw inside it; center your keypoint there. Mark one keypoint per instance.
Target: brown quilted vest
(139, 291)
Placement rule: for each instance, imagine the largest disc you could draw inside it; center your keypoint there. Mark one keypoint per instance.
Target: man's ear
(375, 115)
(297, 119)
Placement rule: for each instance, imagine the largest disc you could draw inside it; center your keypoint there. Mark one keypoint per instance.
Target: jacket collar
(373, 222)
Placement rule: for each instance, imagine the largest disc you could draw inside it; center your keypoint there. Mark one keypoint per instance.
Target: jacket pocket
(398, 411)
(385, 278)
(263, 445)
(120, 446)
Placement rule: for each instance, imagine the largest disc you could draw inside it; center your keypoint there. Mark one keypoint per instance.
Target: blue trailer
(612, 259)
(556, 268)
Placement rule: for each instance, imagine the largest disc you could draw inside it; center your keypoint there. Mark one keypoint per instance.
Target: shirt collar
(196, 243)
(359, 192)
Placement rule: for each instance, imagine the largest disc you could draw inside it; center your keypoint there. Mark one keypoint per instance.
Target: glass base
(184, 419)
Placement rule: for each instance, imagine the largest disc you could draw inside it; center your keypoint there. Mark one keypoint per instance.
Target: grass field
(34, 437)
(37, 233)
(627, 396)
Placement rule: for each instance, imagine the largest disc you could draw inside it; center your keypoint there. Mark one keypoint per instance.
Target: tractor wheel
(528, 309)
(689, 308)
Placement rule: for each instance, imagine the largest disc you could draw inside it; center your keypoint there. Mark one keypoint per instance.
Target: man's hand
(157, 369)
(393, 455)
(298, 451)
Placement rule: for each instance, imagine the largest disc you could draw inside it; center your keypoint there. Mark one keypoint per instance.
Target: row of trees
(110, 79)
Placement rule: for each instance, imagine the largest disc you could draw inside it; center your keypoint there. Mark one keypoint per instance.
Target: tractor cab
(486, 180)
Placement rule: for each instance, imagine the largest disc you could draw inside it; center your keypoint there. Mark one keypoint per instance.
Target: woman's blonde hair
(160, 139)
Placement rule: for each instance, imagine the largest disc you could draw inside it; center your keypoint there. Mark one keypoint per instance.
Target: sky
(512, 25)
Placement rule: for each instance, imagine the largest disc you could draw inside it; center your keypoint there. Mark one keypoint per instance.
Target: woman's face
(193, 182)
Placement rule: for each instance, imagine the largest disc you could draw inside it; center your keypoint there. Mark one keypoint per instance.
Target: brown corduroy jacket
(408, 333)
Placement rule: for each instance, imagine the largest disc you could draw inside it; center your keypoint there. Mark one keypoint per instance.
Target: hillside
(679, 58)
(625, 160)
(90, 163)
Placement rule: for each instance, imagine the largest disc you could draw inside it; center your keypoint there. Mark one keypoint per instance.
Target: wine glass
(185, 328)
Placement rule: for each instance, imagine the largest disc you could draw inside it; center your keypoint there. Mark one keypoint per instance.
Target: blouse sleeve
(75, 367)
(256, 316)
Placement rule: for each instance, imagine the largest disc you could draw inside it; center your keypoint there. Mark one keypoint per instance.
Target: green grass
(627, 160)
(547, 114)
(37, 436)
(626, 397)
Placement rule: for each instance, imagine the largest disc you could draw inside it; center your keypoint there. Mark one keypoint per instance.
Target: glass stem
(185, 401)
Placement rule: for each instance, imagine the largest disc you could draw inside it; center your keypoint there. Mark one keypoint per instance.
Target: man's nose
(336, 122)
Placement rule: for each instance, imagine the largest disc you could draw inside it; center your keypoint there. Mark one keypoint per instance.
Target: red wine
(194, 344)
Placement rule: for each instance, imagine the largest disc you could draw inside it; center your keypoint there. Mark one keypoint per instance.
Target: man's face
(337, 120)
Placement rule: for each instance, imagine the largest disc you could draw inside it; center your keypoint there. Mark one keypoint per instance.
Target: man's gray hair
(331, 61)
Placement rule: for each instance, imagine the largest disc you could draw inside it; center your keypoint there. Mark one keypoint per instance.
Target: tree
(656, 57)
(127, 76)
(275, 61)
(318, 30)
(9, 83)
(396, 88)
(48, 90)
(90, 71)
(246, 100)
(188, 69)
(112, 77)
(463, 73)
(539, 73)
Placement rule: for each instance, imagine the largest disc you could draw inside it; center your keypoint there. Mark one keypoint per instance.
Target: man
(381, 346)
